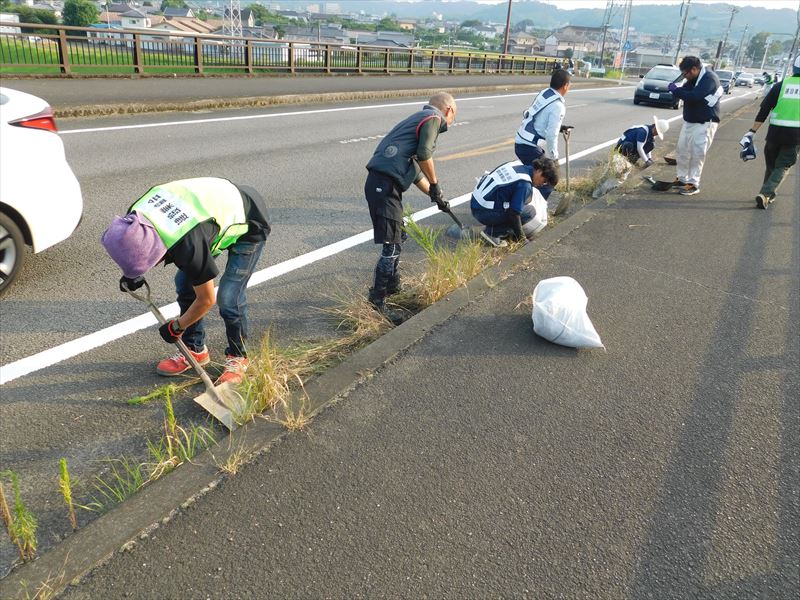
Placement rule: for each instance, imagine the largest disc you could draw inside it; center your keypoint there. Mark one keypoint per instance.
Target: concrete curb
(158, 502)
(99, 110)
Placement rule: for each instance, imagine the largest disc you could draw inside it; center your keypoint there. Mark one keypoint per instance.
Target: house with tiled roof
(172, 11)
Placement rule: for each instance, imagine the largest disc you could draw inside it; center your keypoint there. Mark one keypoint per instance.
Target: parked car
(652, 89)
(726, 80)
(758, 80)
(40, 198)
(746, 79)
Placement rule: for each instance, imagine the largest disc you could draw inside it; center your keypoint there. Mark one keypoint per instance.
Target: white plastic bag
(538, 222)
(559, 314)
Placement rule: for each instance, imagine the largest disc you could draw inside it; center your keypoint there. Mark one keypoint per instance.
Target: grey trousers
(779, 159)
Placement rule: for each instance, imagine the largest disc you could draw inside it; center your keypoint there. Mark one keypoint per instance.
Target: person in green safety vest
(782, 105)
(188, 223)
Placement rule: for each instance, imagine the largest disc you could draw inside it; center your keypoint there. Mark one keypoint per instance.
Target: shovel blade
(223, 403)
(457, 233)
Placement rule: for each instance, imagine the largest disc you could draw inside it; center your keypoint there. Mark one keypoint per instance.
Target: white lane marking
(378, 137)
(301, 112)
(51, 356)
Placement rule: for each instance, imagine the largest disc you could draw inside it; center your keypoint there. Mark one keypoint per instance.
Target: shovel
(658, 186)
(218, 401)
(566, 198)
(456, 231)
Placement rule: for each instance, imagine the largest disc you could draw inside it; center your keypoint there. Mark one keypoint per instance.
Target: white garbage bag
(559, 314)
(538, 222)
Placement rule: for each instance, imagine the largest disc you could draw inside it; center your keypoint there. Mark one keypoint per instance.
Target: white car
(40, 198)
(745, 79)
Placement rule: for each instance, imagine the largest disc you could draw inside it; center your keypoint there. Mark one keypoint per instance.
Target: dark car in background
(652, 89)
(727, 80)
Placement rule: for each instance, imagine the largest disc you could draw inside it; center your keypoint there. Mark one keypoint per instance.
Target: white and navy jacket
(542, 121)
(701, 98)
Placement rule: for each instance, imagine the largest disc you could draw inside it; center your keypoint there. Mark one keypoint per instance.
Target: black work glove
(647, 163)
(566, 128)
(132, 284)
(170, 331)
(435, 194)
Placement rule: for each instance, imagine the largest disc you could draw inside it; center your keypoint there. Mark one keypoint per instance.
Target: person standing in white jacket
(542, 121)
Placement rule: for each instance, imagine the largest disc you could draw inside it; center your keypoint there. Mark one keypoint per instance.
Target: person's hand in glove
(747, 139)
(130, 283)
(566, 128)
(171, 331)
(672, 87)
(647, 163)
(435, 194)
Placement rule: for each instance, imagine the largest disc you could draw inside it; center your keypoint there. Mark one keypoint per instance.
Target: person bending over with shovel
(640, 141)
(404, 156)
(509, 203)
(188, 223)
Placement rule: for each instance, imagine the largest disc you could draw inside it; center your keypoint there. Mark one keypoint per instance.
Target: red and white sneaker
(177, 364)
(235, 368)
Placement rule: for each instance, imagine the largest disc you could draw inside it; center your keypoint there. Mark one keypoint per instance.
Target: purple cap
(134, 244)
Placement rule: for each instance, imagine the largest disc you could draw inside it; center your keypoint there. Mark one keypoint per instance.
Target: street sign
(627, 47)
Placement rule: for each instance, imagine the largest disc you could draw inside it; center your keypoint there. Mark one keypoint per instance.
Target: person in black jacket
(700, 94)
(782, 106)
(403, 157)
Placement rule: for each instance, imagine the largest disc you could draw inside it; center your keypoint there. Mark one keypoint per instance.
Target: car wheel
(12, 251)
(636, 101)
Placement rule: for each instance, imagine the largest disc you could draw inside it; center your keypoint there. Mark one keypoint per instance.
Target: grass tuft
(446, 267)
(178, 445)
(20, 523)
(65, 486)
(123, 480)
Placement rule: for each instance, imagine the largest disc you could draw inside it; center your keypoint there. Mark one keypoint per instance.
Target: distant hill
(705, 20)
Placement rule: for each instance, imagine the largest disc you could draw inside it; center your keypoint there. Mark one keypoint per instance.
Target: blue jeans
(242, 260)
(498, 224)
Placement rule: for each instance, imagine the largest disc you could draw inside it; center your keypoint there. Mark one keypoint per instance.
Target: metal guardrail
(66, 50)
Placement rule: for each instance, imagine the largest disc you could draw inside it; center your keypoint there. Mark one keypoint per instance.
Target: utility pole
(766, 49)
(508, 28)
(738, 60)
(718, 60)
(606, 19)
(626, 23)
(685, 14)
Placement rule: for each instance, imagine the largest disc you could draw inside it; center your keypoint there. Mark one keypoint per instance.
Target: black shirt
(777, 134)
(192, 253)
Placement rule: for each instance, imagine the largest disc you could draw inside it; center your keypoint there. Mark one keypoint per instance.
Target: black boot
(393, 286)
(377, 297)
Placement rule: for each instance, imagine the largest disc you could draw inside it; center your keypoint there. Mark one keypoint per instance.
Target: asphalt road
(486, 462)
(310, 163)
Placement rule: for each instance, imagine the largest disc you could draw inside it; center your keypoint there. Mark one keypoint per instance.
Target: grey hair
(442, 100)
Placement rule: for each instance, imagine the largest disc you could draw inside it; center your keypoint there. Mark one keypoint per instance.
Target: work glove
(647, 163)
(170, 331)
(435, 194)
(672, 87)
(746, 140)
(132, 283)
(566, 128)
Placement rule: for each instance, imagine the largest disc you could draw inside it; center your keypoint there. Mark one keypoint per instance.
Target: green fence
(59, 49)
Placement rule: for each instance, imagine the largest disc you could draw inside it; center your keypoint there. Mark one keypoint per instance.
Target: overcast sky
(567, 4)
